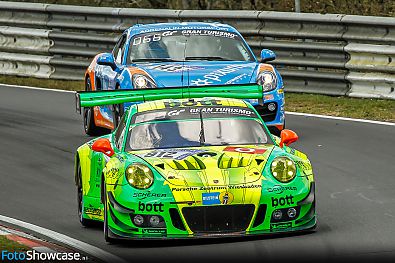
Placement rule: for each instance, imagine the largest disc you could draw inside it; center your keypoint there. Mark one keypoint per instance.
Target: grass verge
(11, 246)
(372, 109)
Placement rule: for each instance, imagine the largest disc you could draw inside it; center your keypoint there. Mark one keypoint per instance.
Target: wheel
(118, 111)
(80, 199)
(90, 127)
(274, 130)
(106, 230)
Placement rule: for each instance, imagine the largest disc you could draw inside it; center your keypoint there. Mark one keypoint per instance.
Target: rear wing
(110, 97)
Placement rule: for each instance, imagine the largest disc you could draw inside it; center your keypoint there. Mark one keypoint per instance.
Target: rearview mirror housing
(267, 55)
(106, 59)
(103, 145)
(288, 137)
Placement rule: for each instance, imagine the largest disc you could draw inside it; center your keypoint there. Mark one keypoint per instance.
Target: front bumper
(271, 117)
(211, 221)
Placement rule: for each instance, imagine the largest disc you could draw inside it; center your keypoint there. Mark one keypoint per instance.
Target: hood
(200, 73)
(209, 166)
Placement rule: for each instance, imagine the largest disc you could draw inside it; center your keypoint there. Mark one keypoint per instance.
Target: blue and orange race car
(182, 55)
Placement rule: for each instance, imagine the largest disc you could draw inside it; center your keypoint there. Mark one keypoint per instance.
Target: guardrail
(328, 54)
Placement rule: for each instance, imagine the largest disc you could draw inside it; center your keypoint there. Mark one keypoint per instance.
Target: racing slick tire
(118, 111)
(90, 127)
(106, 231)
(80, 199)
(275, 131)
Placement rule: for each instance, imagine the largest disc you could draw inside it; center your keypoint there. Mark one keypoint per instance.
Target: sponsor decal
(211, 198)
(155, 207)
(216, 75)
(93, 211)
(214, 33)
(236, 79)
(226, 198)
(278, 189)
(269, 97)
(216, 188)
(113, 173)
(217, 198)
(223, 110)
(185, 27)
(144, 195)
(281, 201)
(201, 82)
(304, 165)
(161, 231)
(190, 103)
(244, 150)
(177, 154)
(174, 68)
(175, 112)
(279, 226)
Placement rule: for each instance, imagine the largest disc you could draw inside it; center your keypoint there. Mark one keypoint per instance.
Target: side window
(120, 133)
(119, 49)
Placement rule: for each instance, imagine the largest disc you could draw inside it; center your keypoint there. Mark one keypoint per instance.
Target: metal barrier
(327, 54)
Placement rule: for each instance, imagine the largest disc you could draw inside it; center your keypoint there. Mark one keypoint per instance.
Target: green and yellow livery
(192, 162)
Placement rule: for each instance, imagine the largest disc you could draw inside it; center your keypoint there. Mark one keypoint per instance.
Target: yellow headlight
(283, 169)
(139, 176)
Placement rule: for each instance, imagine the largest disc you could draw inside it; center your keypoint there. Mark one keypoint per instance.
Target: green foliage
(11, 246)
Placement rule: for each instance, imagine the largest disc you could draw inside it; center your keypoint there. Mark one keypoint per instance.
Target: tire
(90, 127)
(118, 112)
(105, 225)
(275, 131)
(80, 200)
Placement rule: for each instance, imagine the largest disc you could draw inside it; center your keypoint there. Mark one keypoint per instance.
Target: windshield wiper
(201, 134)
(153, 59)
(208, 58)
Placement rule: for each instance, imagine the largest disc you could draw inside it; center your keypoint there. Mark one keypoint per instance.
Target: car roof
(145, 28)
(174, 103)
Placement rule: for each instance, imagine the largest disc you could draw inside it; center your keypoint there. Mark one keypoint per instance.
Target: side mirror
(288, 137)
(267, 55)
(104, 146)
(106, 59)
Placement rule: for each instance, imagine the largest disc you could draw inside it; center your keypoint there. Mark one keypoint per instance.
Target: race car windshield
(188, 133)
(188, 45)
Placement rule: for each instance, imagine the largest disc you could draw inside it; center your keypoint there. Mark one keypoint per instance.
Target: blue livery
(181, 55)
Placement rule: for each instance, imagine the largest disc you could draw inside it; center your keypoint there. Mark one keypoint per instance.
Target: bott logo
(156, 207)
(287, 200)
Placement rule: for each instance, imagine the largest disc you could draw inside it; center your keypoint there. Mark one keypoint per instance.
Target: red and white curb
(62, 239)
(30, 241)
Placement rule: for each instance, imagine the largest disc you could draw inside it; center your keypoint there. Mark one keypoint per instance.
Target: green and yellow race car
(200, 163)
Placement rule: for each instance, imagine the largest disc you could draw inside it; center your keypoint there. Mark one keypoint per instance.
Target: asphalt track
(354, 167)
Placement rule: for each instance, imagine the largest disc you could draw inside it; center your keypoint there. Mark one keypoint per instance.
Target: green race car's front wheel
(80, 199)
(106, 231)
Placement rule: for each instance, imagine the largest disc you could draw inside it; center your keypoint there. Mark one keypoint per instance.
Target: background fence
(328, 54)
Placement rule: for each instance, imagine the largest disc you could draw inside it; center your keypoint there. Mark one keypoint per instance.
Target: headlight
(142, 82)
(283, 169)
(139, 176)
(268, 80)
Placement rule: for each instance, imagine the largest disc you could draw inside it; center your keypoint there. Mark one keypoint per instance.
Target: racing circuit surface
(354, 165)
